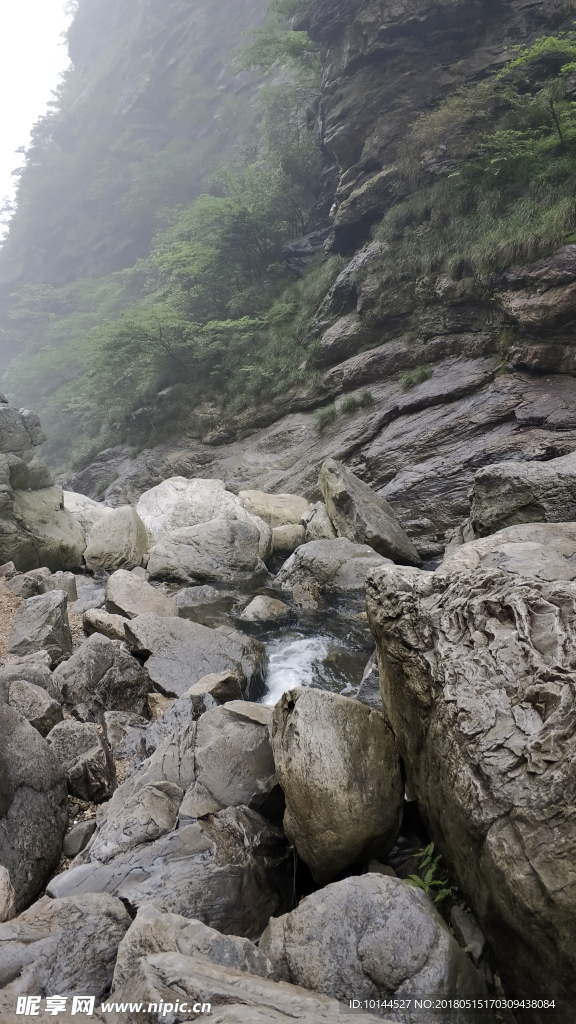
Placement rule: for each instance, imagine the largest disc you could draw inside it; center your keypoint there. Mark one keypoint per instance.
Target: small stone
(7, 897)
(96, 620)
(468, 933)
(79, 837)
(140, 572)
(8, 570)
(266, 609)
(22, 586)
(39, 574)
(222, 686)
(86, 760)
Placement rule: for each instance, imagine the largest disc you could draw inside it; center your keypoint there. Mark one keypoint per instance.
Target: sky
(32, 56)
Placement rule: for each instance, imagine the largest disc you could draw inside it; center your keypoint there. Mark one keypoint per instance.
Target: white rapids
(294, 663)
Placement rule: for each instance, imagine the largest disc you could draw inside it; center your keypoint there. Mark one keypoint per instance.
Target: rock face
(359, 514)
(182, 653)
(331, 566)
(152, 932)
(33, 805)
(61, 946)
(478, 685)
(129, 596)
(85, 758)
(358, 936)
(342, 806)
(41, 624)
(544, 550)
(102, 676)
(509, 493)
(116, 541)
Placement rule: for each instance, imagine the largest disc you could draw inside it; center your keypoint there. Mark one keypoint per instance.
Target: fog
(32, 57)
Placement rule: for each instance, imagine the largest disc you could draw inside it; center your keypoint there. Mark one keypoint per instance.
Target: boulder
(41, 624)
(316, 522)
(33, 668)
(331, 566)
(96, 620)
(79, 837)
(152, 932)
(369, 689)
(65, 581)
(179, 503)
(275, 509)
(210, 692)
(22, 585)
(231, 870)
(373, 937)
(204, 604)
(509, 493)
(341, 808)
(288, 538)
(183, 652)
(86, 511)
(86, 760)
(221, 686)
(546, 551)
(361, 515)
(62, 946)
(126, 735)
(116, 541)
(33, 805)
(266, 609)
(221, 550)
(35, 704)
(20, 431)
(102, 676)
(128, 595)
(7, 897)
(36, 529)
(235, 997)
(478, 683)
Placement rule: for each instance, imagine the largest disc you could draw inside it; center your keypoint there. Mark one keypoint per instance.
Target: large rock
(478, 683)
(102, 676)
(183, 652)
(96, 620)
(509, 493)
(36, 529)
(61, 946)
(20, 430)
(235, 997)
(33, 805)
(232, 870)
(130, 596)
(275, 509)
(177, 504)
(331, 566)
(152, 932)
(41, 624)
(341, 806)
(361, 515)
(544, 550)
(35, 705)
(86, 511)
(221, 550)
(116, 541)
(33, 668)
(86, 759)
(373, 938)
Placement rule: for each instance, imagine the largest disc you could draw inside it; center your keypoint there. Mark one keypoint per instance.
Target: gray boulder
(331, 566)
(275, 509)
(182, 653)
(22, 585)
(231, 870)
(509, 493)
(285, 539)
(33, 805)
(36, 529)
(79, 837)
(546, 551)
(41, 624)
(103, 676)
(86, 760)
(220, 550)
(84, 510)
(479, 686)
(235, 996)
(96, 620)
(35, 704)
(152, 932)
(266, 609)
(373, 937)
(207, 694)
(205, 604)
(341, 807)
(65, 581)
(128, 595)
(33, 668)
(62, 946)
(20, 431)
(361, 515)
(116, 541)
